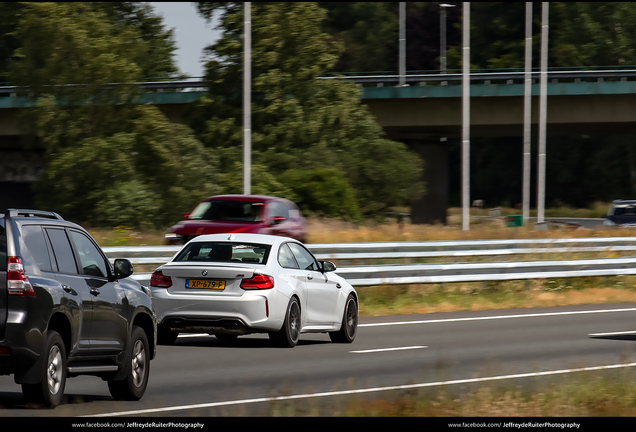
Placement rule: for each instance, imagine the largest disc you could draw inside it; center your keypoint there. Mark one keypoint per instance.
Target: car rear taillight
(159, 280)
(258, 281)
(17, 282)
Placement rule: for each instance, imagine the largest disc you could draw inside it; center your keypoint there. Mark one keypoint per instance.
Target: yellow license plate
(205, 284)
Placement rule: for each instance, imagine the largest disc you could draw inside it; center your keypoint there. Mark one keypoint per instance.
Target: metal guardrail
(367, 275)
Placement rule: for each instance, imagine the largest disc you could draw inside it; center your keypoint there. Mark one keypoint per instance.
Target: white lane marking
(613, 333)
(484, 318)
(359, 391)
(387, 349)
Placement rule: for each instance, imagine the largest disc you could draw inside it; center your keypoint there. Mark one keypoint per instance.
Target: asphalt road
(202, 376)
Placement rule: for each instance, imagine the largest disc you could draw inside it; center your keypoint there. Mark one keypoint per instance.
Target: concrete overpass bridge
(425, 114)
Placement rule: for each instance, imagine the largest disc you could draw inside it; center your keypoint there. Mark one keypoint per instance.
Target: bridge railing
(512, 77)
(484, 76)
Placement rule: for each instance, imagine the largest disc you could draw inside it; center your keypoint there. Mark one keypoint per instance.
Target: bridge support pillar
(431, 207)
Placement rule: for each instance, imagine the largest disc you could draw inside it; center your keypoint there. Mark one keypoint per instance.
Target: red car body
(258, 214)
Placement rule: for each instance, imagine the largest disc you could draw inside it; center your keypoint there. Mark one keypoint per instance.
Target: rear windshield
(225, 252)
(232, 211)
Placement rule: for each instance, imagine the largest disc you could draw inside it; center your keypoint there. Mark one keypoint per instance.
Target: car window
(225, 252)
(34, 239)
(278, 209)
(305, 259)
(622, 209)
(286, 258)
(93, 263)
(232, 211)
(62, 251)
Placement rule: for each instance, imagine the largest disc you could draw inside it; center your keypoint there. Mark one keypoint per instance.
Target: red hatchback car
(240, 214)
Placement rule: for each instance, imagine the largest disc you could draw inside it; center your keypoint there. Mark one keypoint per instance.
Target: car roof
(238, 197)
(623, 202)
(244, 237)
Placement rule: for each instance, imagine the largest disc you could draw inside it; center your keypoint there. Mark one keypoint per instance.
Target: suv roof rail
(33, 213)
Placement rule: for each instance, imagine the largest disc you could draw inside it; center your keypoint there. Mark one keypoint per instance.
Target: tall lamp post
(247, 100)
(466, 118)
(543, 106)
(402, 47)
(442, 36)
(527, 116)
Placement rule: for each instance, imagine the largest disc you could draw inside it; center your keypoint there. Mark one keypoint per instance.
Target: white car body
(323, 296)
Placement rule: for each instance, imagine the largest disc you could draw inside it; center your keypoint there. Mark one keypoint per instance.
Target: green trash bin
(514, 220)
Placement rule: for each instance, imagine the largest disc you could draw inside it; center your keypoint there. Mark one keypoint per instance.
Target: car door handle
(95, 291)
(69, 290)
(310, 277)
(338, 286)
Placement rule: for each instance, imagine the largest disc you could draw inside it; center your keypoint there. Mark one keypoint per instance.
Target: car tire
(50, 390)
(349, 327)
(289, 334)
(137, 365)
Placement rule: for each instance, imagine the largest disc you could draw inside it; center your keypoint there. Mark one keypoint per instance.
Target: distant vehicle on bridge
(256, 214)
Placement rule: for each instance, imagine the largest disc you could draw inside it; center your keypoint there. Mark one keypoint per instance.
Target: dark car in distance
(256, 214)
(621, 213)
(65, 310)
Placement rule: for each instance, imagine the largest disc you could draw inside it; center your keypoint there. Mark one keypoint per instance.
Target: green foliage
(298, 121)
(157, 45)
(263, 182)
(9, 16)
(110, 161)
(144, 178)
(324, 192)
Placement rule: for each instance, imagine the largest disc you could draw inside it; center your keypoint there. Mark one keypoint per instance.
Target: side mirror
(277, 219)
(328, 266)
(123, 268)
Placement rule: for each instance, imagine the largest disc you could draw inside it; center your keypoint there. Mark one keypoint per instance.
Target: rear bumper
(252, 312)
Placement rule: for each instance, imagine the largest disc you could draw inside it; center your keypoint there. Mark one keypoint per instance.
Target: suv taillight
(258, 281)
(159, 280)
(17, 282)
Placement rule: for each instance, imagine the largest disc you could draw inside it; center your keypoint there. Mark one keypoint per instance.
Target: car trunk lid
(207, 279)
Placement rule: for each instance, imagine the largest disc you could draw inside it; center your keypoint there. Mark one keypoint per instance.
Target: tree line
(111, 161)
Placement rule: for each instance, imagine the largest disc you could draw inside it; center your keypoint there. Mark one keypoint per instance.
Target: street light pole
(466, 118)
(543, 113)
(247, 100)
(442, 36)
(402, 41)
(527, 116)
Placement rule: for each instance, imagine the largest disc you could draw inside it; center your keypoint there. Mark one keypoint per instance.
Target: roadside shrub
(324, 192)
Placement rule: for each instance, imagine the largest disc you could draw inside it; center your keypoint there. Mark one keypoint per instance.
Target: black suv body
(65, 310)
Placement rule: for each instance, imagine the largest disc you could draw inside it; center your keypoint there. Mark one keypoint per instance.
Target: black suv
(66, 311)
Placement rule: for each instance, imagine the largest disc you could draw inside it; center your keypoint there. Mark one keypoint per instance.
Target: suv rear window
(34, 239)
